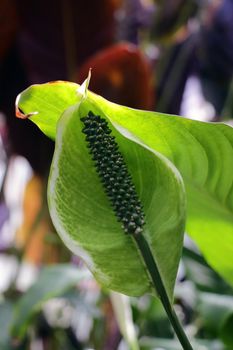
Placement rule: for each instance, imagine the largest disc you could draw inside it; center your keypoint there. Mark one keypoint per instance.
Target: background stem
(161, 290)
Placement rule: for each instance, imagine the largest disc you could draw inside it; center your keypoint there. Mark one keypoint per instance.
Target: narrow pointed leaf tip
(98, 176)
(82, 90)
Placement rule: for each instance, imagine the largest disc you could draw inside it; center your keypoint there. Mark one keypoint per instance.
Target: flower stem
(161, 290)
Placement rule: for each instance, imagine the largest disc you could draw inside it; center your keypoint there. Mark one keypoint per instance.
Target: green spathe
(202, 152)
(84, 218)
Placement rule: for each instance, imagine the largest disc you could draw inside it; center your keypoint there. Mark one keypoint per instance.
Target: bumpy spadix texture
(113, 173)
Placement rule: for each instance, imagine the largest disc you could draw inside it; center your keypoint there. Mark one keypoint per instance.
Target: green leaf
(6, 315)
(86, 222)
(202, 152)
(214, 307)
(205, 278)
(52, 282)
(147, 343)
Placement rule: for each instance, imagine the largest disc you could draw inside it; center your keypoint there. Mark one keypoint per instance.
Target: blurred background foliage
(172, 56)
